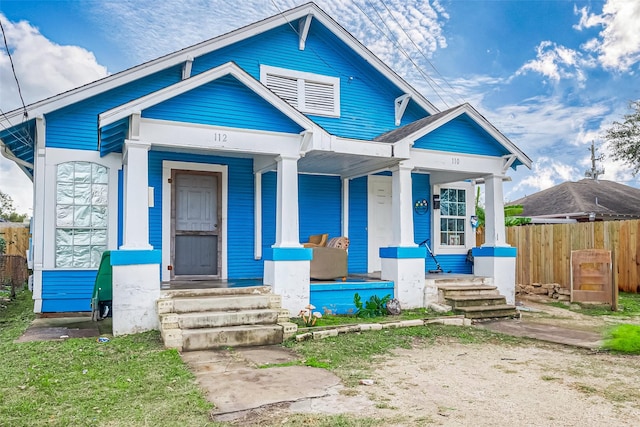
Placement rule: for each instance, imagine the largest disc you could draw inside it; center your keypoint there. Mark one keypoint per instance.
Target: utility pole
(594, 172)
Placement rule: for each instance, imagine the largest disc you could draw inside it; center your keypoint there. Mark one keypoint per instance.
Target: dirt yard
(531, 384)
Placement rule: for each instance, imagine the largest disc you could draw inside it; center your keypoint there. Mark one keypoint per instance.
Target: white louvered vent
(309, 93)
(285, 87)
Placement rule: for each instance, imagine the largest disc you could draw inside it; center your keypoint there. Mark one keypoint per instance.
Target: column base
(500, 264)
(406, 273)
(286, 270)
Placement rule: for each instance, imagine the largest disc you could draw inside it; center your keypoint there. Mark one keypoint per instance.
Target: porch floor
(243, 283)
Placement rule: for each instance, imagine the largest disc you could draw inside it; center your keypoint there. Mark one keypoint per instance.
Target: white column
(257, 225)
(402, 207)
(287, 228)
(345, 206)
(495, 234)
(136, 195)
(39, 196)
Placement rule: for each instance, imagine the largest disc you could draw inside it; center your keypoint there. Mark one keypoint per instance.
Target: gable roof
(422, 127)
(188, 54)
(605, 199)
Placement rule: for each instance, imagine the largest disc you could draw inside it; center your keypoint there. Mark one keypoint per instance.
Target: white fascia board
(481, 121)
(206, 137)
(115, 80)
(431, 160)
(357, 146)
(198, 80)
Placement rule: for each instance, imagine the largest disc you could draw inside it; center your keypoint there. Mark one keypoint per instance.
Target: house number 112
(219, 137)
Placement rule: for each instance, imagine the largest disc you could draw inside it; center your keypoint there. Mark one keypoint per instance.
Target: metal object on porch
(438, 268)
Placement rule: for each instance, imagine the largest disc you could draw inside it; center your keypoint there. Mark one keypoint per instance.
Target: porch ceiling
(345, 165)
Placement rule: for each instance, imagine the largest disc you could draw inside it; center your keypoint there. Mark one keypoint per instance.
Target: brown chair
(316, 241)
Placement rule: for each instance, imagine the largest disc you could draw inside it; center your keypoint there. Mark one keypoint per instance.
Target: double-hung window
(453, 214)
(308, 92)
(81, 214)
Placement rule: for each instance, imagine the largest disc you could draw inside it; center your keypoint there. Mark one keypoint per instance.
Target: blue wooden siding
(451, 263)
(67, 290)
(358, 237)
(462, 135)
(240, 212)
(421, 189)
(76, 126)
(366, 96)
(223, 102)
(320, 205)
(337, 297)
(269, 186)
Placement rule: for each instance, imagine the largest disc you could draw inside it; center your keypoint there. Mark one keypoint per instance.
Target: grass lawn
(628, 305)
(128, 381)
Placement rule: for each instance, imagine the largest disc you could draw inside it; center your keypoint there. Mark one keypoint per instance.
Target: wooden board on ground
(591, 277)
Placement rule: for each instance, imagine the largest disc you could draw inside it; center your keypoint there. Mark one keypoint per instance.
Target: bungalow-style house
(581, 201)
(216, 161)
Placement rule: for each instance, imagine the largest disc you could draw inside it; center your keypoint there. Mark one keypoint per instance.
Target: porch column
(495, 258)
(286, 267)
(136, 266)
(403, 263)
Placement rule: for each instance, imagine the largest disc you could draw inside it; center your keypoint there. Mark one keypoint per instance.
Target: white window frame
(469, 235)
(56, 156)
(303, 77)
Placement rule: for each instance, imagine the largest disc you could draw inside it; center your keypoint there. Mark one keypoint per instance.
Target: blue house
(216, 161)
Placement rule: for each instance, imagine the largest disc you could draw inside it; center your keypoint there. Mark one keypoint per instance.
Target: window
(453, 212)
(81, 214)
(309, 93)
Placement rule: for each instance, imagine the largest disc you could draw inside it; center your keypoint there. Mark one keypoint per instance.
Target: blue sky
(551, 75)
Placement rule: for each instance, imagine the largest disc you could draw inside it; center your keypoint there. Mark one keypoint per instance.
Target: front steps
(200, 319)
(475, 300)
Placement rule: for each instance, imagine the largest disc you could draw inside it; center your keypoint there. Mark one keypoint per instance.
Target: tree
(625, 138)
(7, 211)
(511, 214)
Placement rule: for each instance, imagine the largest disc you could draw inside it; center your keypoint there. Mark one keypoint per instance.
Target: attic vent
(309, 93)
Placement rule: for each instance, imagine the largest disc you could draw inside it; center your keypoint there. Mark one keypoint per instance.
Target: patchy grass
(351, 355)
(624, 339)
(351, 319)
(628, 305)
(128, 381)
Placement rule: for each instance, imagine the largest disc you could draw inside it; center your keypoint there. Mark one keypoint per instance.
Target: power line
(422, 53)
(13, 68)
(427, 79)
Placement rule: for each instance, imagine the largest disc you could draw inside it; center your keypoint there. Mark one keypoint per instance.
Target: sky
(551, 75)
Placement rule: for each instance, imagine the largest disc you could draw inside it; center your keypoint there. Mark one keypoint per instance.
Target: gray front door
(196, 224)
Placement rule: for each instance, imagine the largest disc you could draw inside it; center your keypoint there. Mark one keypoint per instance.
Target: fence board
(16, 238)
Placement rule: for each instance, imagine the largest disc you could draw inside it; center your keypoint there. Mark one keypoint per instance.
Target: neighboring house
(584, 200)
(216, 161)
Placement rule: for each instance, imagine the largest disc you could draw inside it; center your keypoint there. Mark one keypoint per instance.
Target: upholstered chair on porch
(330, 262)
(316, 240)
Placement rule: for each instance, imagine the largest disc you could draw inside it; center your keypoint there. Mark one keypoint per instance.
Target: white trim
(303, 28)
(345, 206)
(469, 235)
(186, 68)
(304, 77)
(373, 253)
(167, 166)
(193, 136)
(400, 106)
(229, 68)
(39, 203)
(257, 222)
(56, 156)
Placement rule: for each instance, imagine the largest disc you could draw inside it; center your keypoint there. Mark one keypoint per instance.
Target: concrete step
(216, 319)
(231, 336)
(186, 293)
(217, 303)
(487, 311)
(460, 280)
(474, 300)
(445, 291)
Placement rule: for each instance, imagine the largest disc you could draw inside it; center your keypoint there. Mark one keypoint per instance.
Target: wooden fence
(544, 251)
(16, 237)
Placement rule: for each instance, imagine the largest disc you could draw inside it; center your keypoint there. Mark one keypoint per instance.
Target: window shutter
(319, 97)
(285, 87)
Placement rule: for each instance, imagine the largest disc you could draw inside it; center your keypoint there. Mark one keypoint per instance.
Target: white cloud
(618, 43)
(557, 62)
(43, 69)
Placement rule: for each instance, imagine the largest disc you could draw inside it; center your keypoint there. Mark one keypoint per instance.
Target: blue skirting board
(337, 297)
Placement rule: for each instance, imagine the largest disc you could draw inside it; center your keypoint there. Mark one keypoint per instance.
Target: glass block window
(81, 214)
(453, 212)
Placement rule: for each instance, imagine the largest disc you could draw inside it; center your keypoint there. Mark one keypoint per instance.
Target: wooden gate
(591, 277)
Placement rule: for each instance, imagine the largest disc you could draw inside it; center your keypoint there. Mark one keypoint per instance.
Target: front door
(379, 219)
(195, 237)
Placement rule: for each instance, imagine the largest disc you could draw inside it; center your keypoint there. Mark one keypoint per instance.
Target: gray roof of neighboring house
(607, 199)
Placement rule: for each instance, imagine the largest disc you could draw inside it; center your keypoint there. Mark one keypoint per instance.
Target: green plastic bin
(102, 289)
